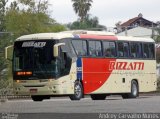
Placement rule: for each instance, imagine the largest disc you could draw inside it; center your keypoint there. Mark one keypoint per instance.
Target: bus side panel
(148, 79)
(100, 76)
(96, 72)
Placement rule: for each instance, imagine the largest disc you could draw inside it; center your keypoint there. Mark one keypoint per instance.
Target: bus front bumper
(41, 89)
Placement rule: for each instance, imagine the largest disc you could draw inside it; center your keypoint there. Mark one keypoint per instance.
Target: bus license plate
(33, 90)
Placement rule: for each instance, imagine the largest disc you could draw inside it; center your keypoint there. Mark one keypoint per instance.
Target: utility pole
(152, 36)
(126, 34)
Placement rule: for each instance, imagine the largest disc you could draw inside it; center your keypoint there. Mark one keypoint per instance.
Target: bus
(78, 63)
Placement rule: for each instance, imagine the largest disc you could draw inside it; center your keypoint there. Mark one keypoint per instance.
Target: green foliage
(4, 41)
(88, 23)
(157, 40)
(33, 18)
(35, 6)
(2, 14)
(157, 37)
(16, 20)
(82, 7)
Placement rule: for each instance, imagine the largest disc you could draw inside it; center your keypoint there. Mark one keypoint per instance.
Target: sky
(109, 12)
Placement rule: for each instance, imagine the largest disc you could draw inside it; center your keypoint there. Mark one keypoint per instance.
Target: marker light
(24, 73)
(18, 81)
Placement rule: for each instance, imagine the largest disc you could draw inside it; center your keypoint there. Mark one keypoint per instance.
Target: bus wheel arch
(78, 90)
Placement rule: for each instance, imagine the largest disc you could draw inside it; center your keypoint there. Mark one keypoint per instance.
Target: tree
(157, 40)
(14, 6)
(32, 18)
(156, 34)
(35, 6)
(89, 23)
(82, 7)
(3, 35)
(2, 14)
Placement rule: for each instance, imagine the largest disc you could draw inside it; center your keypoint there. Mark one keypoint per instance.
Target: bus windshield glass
(34, 59)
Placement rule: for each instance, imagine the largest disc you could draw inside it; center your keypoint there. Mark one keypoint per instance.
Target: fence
(6, 91)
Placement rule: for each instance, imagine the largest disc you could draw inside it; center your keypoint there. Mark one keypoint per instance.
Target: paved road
(112, 104)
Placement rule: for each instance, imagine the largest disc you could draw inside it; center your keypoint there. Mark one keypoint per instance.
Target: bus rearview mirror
(56, 49)
(9, 52)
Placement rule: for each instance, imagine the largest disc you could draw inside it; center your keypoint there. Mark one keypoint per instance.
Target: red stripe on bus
(98, 37)
(95, 73)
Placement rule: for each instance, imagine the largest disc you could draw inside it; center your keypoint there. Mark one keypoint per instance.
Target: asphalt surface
(64, 108)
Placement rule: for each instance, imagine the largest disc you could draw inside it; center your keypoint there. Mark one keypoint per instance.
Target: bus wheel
(37, 98)
(134, 91)
(98, 96)
(78, 91)
(125, 96)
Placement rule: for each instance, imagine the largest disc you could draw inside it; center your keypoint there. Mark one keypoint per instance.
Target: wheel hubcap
(134, 89)
(77, 90)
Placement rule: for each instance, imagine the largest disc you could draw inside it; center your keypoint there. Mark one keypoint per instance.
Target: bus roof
(45, 36)
(136, 39)
(82, 34)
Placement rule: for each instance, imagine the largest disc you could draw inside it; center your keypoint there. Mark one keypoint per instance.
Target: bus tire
(134, 91)
(125, 96)
(98, 96)
(78, 91)
(37, 98)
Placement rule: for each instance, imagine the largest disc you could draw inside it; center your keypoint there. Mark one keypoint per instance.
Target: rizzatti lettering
(34, 44)
(126, 65)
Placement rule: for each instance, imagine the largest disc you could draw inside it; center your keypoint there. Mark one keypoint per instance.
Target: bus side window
(106, 49)
(109, 49)
(126, 49)
(145, 55)
(98, 48)
(80, 47)
(136, 50)
(91, 51)
(120, 53)
(84, 46)
(95, 48)
(139, 50)
(120, 49)
(112, 46)
(133, 50)
(92, 48)
(145, 50)
(108, 53)
(151, 51)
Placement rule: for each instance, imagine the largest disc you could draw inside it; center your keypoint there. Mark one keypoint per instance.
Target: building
(137, 26)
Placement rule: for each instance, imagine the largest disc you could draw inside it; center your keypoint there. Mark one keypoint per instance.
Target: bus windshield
(35, 57)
